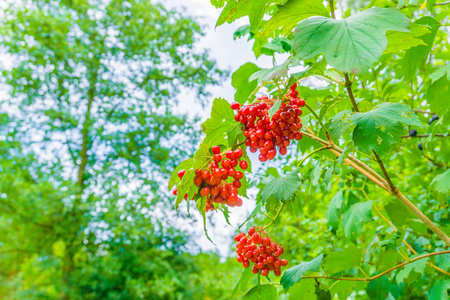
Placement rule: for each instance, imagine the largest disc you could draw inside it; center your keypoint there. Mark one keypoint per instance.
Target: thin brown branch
(383, 169)
(364, 169)
(425, 135)
(348, 86)
(423, 111)
(442, 3)
(382, 273)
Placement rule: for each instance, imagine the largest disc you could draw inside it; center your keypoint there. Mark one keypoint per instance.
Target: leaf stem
(275, 218)
(332, 9)
(310, 154)
(325, 130)
(426, 135)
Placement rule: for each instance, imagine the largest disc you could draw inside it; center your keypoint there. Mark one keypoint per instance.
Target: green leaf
(398, 41)
(202, 156)
(438, 95)
(246, 275)
(388, 259)
(335, 210)
(241, 31)
(439, 291)
(185, 165)
(296, 273)
(340, 261)
(240, 81)
(418, 266)
(305, 289)
(186, 186)
(262, 292)
(322, 294)
(274, 108)
(349, 45)
(441, 186)
(221, 121)
(236, 9)
(416, 57)
(353, 218)
(440, 72)
(382, 127)
(283, 188)
(343, 289)
(378, 289)
(289, 14)
(265, 75)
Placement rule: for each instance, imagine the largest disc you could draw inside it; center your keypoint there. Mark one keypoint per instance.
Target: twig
(383, 169)
(382, 273)
(380, 181)
(423, 111)
(348, 86)
(425, 135)
(310, 154)
(275, 218)
(442, 3)
(332, 8)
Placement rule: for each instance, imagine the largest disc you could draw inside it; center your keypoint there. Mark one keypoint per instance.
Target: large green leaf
(416, 57)
(221, 122)
(418, 267)
(343, 289)
(353, 218)
(283, 188)
(441, 186)
(349, 45)
(240, 81)
(243, 280)
(236, 9)
(296, 273)
(378, 289)
(398, 41)
(262, 292)
(335, 210)
(439, 291)
(445, 70)
(343, 260)
(305, 289)
(438, 95)
(292, 12)
(382, 127)
(185, 165)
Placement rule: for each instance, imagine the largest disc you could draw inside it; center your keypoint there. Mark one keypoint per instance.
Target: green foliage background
(88, 139)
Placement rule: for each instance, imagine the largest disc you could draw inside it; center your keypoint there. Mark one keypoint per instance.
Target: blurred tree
(93, 85)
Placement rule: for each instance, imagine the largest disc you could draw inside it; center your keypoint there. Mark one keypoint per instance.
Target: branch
(380, 181)
(348, 86)
(332, 8)
(382, 273)
(383, 169)
(423, 111)
(393, 190)
(424, 135)
(442, 3)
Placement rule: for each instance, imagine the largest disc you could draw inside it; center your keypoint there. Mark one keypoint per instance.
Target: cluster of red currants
(265, 257)
(213, 179)
(265, 133)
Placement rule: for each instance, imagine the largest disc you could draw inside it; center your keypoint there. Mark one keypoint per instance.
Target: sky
(230, 55)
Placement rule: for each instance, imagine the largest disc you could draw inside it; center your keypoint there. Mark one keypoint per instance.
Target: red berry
(217, 157)
(246, 263)
(255, 270)
(235, 106)
(175, 192)
(284, 262)
(233, 162)
(238, 176)
(231, 172)
(181, 173)
(237, 183)
(238, 153)
(198, 180)
(215, 150)
(230, 154)
(265, 272)
(251, 231)
(239, 202)
(205, 191)
(243, 164)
